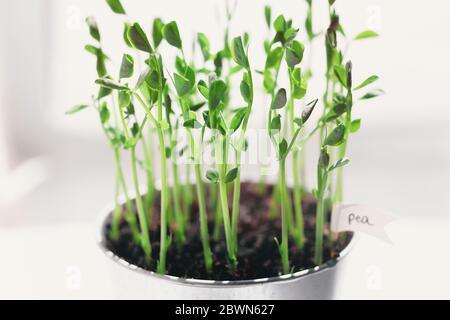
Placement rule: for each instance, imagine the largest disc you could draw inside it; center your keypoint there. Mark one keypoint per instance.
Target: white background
(400, 158)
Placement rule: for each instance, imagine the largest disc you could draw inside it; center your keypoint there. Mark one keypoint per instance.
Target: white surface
(62, 261)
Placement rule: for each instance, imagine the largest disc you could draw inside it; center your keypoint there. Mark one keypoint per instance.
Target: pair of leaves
(213, 175)
(342, 73)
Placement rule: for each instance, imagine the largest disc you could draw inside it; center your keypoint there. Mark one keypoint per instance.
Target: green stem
(164, 192)
(180, 228)
(117, 215)
(188, 197)
(218, 221)
(200, 187)
(150, 195)
(145, 237)
(295, 161)
(203, 218)
(275, 201)
(220, 148)
(284, 249)
(237, 181)
(322, 178)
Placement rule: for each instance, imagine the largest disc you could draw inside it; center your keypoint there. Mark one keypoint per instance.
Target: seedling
(146, 99)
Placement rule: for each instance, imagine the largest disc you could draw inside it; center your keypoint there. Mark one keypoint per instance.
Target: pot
(133, 282)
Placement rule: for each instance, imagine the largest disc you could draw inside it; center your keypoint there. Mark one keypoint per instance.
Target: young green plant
(184, 82)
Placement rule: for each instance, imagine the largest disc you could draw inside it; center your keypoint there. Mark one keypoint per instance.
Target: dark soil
(258, 253)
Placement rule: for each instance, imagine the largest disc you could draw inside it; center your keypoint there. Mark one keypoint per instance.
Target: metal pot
(133, 282)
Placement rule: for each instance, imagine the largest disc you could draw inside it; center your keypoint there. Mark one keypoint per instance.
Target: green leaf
(168, 152)
(127, 66)
(237, 119)
(274, 58)
(212, 176)
(153, 80)
(268, 15)
(355, 125)
(336, 137)
(135, 129)
(324, 159)
(280, 100)
(197, 106)
(306, 114)
(279, 24)
(76, 109)
(366, 82)
(366, 34)
(192, 124)
(104, 113)
(172, 34)
(294, 54)
(348, 71)
(238, 53)
(372, 94)
(103, 92)
(275, 124)
(203, 89)
(144, 74)
(340, 163)
(139, 39)
(116, 6)
(185, 84)
(290, 34)
(341, 74)
(157, 34)
(245, 90)
(124, 99)
(204, 45)
(126, 29)
(217, 93)
(231, 175)
(282, 148)
(93, 28)
(101, 57)
(110, 84)
(300, 84)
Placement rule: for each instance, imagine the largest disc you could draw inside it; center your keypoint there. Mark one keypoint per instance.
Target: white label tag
(354, 217)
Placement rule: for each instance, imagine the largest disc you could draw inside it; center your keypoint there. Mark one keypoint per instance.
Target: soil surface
(258, 253)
